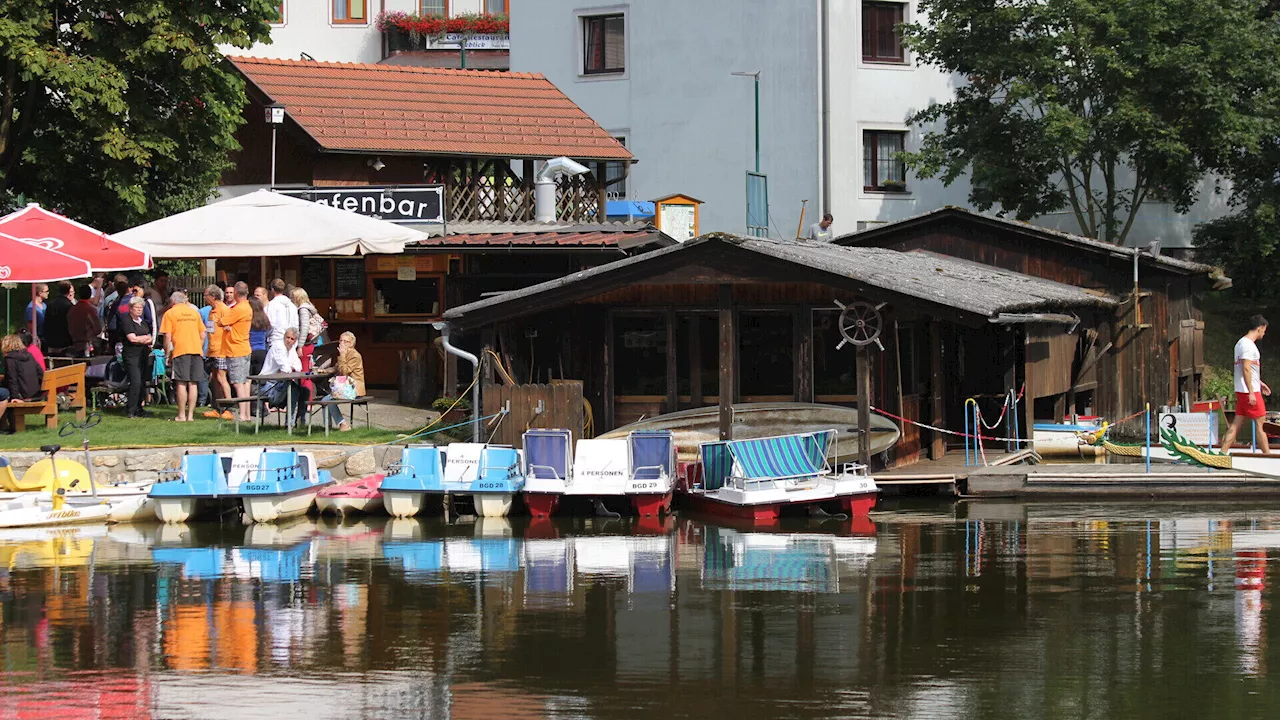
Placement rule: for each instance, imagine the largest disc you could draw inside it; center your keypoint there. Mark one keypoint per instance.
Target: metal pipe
(443, 327)
(824, 63)
(273, 162)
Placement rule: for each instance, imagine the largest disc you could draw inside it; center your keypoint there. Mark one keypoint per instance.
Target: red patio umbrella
(40, 228)
(51, 231)
(22, 262)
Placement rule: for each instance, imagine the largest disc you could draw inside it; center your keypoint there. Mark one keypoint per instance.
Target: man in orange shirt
(184, 332)
(235, 344)
(214, 295)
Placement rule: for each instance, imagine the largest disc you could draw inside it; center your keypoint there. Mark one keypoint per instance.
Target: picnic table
(289, 378)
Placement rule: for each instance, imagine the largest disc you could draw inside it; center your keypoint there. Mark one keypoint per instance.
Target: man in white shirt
(1249, 387)
(282, 314)
(280, 393)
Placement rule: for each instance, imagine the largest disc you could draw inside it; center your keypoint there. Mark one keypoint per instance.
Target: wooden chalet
(478, 135)
(1148, 351)
(724, 319)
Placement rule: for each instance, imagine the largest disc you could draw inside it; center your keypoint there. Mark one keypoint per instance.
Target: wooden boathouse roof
(966, 291)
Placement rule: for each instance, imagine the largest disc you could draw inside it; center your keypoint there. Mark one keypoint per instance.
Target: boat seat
(50, 449)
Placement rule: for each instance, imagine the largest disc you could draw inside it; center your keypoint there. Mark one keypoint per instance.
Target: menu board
(349, 278)
(316, 279)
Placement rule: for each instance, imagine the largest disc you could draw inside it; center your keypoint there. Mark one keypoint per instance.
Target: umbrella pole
(34, 337)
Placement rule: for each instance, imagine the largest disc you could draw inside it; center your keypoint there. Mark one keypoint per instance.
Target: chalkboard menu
(316, 279)
(349, 278)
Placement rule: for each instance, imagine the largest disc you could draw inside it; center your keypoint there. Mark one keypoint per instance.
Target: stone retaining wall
(114, 466)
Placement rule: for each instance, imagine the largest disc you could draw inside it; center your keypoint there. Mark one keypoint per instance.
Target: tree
(1095, 106)
(121, 111)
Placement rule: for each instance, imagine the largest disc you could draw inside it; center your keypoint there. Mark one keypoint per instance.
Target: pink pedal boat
(357, 496)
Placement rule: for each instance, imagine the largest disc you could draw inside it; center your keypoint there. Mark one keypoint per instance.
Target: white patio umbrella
(266, 224)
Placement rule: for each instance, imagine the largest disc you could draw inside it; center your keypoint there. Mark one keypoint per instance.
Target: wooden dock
(1010, 475)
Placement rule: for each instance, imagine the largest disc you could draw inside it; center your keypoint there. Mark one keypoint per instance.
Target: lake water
(977, 610)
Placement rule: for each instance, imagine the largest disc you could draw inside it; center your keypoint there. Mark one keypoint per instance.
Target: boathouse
(1150, 349)
(725, 319)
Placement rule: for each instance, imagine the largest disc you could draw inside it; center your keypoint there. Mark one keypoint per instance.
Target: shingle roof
(1025, 228)
(385, 108)
(942, 281)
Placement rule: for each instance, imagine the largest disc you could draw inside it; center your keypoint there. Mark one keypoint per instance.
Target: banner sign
(404, 204)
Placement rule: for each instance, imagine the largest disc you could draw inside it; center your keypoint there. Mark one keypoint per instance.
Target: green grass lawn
(117, 431)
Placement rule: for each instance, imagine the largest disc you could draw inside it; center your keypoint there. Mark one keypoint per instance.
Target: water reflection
(928, 611)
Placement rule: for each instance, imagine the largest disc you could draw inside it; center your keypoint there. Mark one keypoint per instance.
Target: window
(350, 12)
(882, 167)
(279, 20)
(881, 41)
(615, 176)
(604, 49)
(497, 7)
(433, 7)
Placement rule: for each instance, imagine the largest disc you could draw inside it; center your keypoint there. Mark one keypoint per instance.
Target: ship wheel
(860, 324)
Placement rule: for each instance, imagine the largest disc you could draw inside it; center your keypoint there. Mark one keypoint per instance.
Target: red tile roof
(594, 239)
(388, 108)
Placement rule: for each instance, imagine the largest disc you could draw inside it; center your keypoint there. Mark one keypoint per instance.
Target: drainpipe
(1019, 318)
(824, 62)
(443, 327)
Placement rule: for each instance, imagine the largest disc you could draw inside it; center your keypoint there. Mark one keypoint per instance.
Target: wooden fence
(558, 405)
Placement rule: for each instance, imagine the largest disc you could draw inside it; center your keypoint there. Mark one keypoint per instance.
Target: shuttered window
(350, 12)
(605, 49)
(881, 41)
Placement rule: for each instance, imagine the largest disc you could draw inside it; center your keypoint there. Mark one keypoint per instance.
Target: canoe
(39, 512)
(757, 420)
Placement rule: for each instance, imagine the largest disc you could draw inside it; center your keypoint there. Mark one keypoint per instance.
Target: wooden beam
(802, 323)
(728, 368)
(610, 376)
(673, 370)
(864, 404)
(937, 390)
(695, 362)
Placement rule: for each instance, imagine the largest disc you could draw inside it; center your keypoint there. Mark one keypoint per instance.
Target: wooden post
(728, 368)
(864, 404)
(802, 323)
(609, 374)
(695, 362)
(602, 195)
(673, 375)
(938, 445)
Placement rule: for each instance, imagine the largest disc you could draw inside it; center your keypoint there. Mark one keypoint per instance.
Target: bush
(445, 402)
(1218, 383)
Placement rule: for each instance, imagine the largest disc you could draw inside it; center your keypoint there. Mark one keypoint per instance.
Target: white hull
(269, 508)
(42, 514)
(105, 492)
(348, 505)
(401, 504)
(493, 505)
(780, 492)
(175, 510)
(135, 509)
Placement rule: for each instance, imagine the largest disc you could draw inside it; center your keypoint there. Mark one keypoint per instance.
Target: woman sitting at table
(351, 365)
(279, 393)
(32, 347)
(23, 378)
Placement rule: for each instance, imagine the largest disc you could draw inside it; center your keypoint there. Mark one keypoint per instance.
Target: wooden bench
(257, 404)
(322, 406)
(71, 377)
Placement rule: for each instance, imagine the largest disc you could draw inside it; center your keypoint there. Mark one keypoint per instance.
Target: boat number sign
(418, 204)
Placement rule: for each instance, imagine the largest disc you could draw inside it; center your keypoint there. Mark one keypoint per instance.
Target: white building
(835, 90)
(345, 30)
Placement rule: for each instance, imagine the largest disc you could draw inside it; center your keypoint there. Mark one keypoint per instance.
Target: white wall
(687, 120)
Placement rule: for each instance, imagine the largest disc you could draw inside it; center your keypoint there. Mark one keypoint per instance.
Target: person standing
(219, 385)
(308, 319)
(38, 307)
(1249, 387)
(184, 335)
(158, 293)
(57, 334)
(282, 314)
(112, 299)
(138, 336)
(235, 323)
(261, 293)
(258, 331)
(84, 325)
(96, 293)
(821, 230)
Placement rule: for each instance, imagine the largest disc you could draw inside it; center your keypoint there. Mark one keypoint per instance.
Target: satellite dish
(860, 324)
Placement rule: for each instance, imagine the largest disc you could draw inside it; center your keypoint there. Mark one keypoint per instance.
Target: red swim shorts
(1246, 407)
